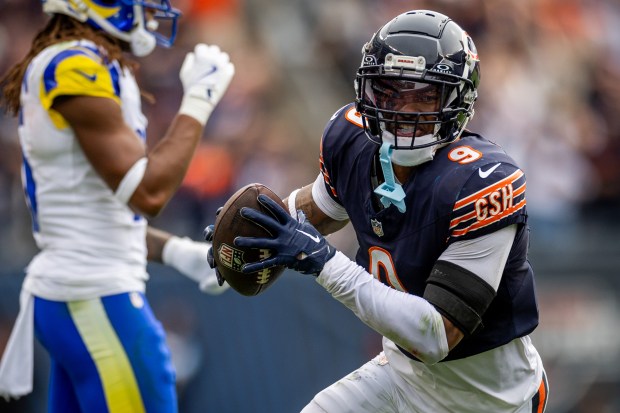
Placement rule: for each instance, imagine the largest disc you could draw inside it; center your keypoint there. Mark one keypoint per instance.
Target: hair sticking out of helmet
(417, 84)
(133, 21)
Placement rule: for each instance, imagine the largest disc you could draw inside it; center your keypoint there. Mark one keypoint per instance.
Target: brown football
(229, 258)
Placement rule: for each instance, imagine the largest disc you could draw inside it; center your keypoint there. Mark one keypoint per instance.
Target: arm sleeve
(408, 320)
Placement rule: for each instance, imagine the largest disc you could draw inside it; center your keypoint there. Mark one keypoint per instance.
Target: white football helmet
(124, 19)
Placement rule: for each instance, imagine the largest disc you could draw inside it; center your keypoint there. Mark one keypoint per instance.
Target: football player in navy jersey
(440, 217)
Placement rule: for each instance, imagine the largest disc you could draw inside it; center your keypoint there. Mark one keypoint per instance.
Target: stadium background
(550, 94)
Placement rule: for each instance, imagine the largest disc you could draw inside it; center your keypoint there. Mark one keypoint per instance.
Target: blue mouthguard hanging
(390, 192)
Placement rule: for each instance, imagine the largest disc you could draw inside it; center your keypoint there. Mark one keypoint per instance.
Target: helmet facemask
(416, 111)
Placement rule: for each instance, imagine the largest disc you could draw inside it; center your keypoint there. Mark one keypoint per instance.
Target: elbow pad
(459, 295)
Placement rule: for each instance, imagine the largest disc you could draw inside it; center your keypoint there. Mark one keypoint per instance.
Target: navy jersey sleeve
(325, 162)
(340, 132)
(492, 198)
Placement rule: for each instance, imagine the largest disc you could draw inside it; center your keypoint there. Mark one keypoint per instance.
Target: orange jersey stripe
(491, 220)
(470, 215)
(491, 188)
(542, 394)
(519, 190)
(463, 218)
(326, 177)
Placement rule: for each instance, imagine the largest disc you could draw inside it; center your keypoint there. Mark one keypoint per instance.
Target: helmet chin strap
(411, 157)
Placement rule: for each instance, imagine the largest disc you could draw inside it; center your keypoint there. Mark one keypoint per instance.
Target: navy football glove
(295, 245)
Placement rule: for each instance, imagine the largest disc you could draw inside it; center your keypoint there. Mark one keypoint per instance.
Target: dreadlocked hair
(59, 28)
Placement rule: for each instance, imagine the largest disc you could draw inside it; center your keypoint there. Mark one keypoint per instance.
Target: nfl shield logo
(377, 227)
(231, 257)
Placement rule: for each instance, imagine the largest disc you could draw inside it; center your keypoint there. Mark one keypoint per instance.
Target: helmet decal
(470, 48)
(104, 11)
(395, 62)
(369, 60)
(443, 68)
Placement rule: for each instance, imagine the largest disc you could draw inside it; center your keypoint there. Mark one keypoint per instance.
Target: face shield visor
(405, 108)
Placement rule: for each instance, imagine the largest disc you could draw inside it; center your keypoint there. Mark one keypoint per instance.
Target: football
(229, 258)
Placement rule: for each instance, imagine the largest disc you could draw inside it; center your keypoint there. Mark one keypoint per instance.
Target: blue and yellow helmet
(133, 21)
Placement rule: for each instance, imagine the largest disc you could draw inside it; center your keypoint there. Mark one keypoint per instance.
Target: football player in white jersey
(89, 180)
(440, 216)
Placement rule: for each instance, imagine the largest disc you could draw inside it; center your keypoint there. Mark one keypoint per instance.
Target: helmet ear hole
(142, 43)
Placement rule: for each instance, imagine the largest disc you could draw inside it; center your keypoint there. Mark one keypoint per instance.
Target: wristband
(185, 256)
(190, 259)
(292, 209)
(196, 107)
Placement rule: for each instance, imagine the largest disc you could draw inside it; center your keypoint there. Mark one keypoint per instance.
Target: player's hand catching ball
(296, 243)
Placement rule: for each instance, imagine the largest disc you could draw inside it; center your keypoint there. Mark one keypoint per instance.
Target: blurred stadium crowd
(550, 94)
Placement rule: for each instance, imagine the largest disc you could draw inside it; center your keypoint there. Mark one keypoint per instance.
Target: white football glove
(190, 259)
(205, 74)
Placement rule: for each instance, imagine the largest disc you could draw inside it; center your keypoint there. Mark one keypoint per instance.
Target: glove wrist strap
(196, 107)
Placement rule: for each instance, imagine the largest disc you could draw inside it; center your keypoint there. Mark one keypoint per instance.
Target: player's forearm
(155, 241)
(319, 219)
(168, 162)
(408, 320)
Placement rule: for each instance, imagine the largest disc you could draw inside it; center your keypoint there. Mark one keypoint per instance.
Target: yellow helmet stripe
(103, 11)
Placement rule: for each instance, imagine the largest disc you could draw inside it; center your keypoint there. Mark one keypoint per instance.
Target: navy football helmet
(133, 21)
(423, 60)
